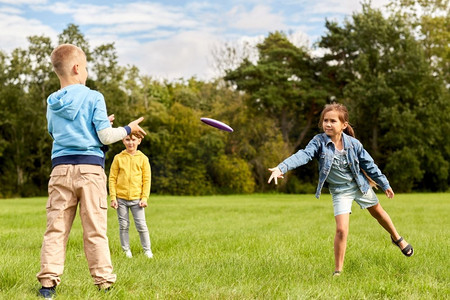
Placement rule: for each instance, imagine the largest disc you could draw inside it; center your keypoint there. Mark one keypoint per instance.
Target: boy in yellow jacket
(129, 188)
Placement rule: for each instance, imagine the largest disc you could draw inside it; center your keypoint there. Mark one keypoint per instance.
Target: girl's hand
(276, 173)
(114, 204)
(142, 204)
(389, 193)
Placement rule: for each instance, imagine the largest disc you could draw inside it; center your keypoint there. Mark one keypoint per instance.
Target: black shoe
(47, 292)
(105, 290)
(407, 251)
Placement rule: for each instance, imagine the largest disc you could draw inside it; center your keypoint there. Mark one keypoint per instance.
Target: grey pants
(139, 220)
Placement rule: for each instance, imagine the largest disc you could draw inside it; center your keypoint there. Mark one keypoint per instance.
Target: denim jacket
(322, 148)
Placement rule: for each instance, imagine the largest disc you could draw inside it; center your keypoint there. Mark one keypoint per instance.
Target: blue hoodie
(74, 115)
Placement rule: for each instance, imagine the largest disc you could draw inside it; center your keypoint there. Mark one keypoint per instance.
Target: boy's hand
(114, 204)
(276, 173)
(135, 128)
(111, 119)
(389, 193)
(143, 203)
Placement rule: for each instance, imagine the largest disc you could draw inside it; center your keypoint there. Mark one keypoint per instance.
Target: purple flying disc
(217, 124)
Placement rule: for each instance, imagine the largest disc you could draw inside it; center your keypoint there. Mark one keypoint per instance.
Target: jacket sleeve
(113, 172)
(367, 163)
(302, 156)
(146, 180)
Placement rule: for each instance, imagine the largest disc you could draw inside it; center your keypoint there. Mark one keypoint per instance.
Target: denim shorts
(343, 196)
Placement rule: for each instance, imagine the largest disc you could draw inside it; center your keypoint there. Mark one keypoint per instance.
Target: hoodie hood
(74, 116)
(66, 103)
(138, 153)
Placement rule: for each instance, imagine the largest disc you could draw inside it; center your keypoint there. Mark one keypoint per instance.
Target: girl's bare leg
(340, 240)
(385, 221)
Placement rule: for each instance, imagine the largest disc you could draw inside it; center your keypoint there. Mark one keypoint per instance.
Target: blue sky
(171, 39)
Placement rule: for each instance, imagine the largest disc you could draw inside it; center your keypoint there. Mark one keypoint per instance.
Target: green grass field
(243, 247)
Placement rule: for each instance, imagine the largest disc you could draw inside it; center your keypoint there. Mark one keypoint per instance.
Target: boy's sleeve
(100, 115)
(110, 135)
(113, 172)
(146, 180)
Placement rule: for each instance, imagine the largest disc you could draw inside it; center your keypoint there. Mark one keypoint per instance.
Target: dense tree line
(391, 72)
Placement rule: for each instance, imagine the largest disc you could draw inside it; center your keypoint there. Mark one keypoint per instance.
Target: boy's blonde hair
(64, 57)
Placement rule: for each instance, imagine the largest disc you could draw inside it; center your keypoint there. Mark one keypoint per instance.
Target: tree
(430, 21)
(41, 83)
(177, 165)
(4, 114)
(23, 95)
(228, 56)
(283, 85)
(395, 101)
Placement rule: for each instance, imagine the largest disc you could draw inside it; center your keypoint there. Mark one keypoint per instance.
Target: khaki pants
(69, 186)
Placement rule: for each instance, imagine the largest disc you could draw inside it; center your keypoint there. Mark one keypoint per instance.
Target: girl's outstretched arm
(298, 159)
(276, 173)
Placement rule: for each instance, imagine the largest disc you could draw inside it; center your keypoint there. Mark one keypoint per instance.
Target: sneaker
(105, 288)
(149, 254)
(47, 292)
(128, 254)
(337, 273)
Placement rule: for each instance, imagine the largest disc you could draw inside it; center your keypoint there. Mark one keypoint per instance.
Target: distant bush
(232, 175)
(295, 186)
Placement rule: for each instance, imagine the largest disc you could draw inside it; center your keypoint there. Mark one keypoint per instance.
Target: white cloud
(167, 41)
(22, 2)
(138, 13)
(170, 41)
(10, 11)
(183, 55)
(56, 8)
(335, 6)
(346, 7)
(15, 30)
(141, 20)
(260, 18)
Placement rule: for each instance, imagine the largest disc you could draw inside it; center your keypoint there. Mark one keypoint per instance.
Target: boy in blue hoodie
(79, 126)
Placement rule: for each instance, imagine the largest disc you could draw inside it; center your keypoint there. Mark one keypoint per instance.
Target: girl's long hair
(343, 117)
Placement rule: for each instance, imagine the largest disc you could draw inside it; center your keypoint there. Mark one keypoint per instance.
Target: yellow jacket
(130, 177)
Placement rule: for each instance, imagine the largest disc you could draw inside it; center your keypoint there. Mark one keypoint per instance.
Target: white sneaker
(128, 254)
(149, 254)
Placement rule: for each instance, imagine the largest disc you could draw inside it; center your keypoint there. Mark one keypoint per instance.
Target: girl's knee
(377, 212)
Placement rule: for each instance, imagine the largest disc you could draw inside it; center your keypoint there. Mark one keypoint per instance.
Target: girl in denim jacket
(349, 172)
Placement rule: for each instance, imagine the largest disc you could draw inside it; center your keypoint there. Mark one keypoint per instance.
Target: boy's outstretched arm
(276, 173)
(111, 135)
